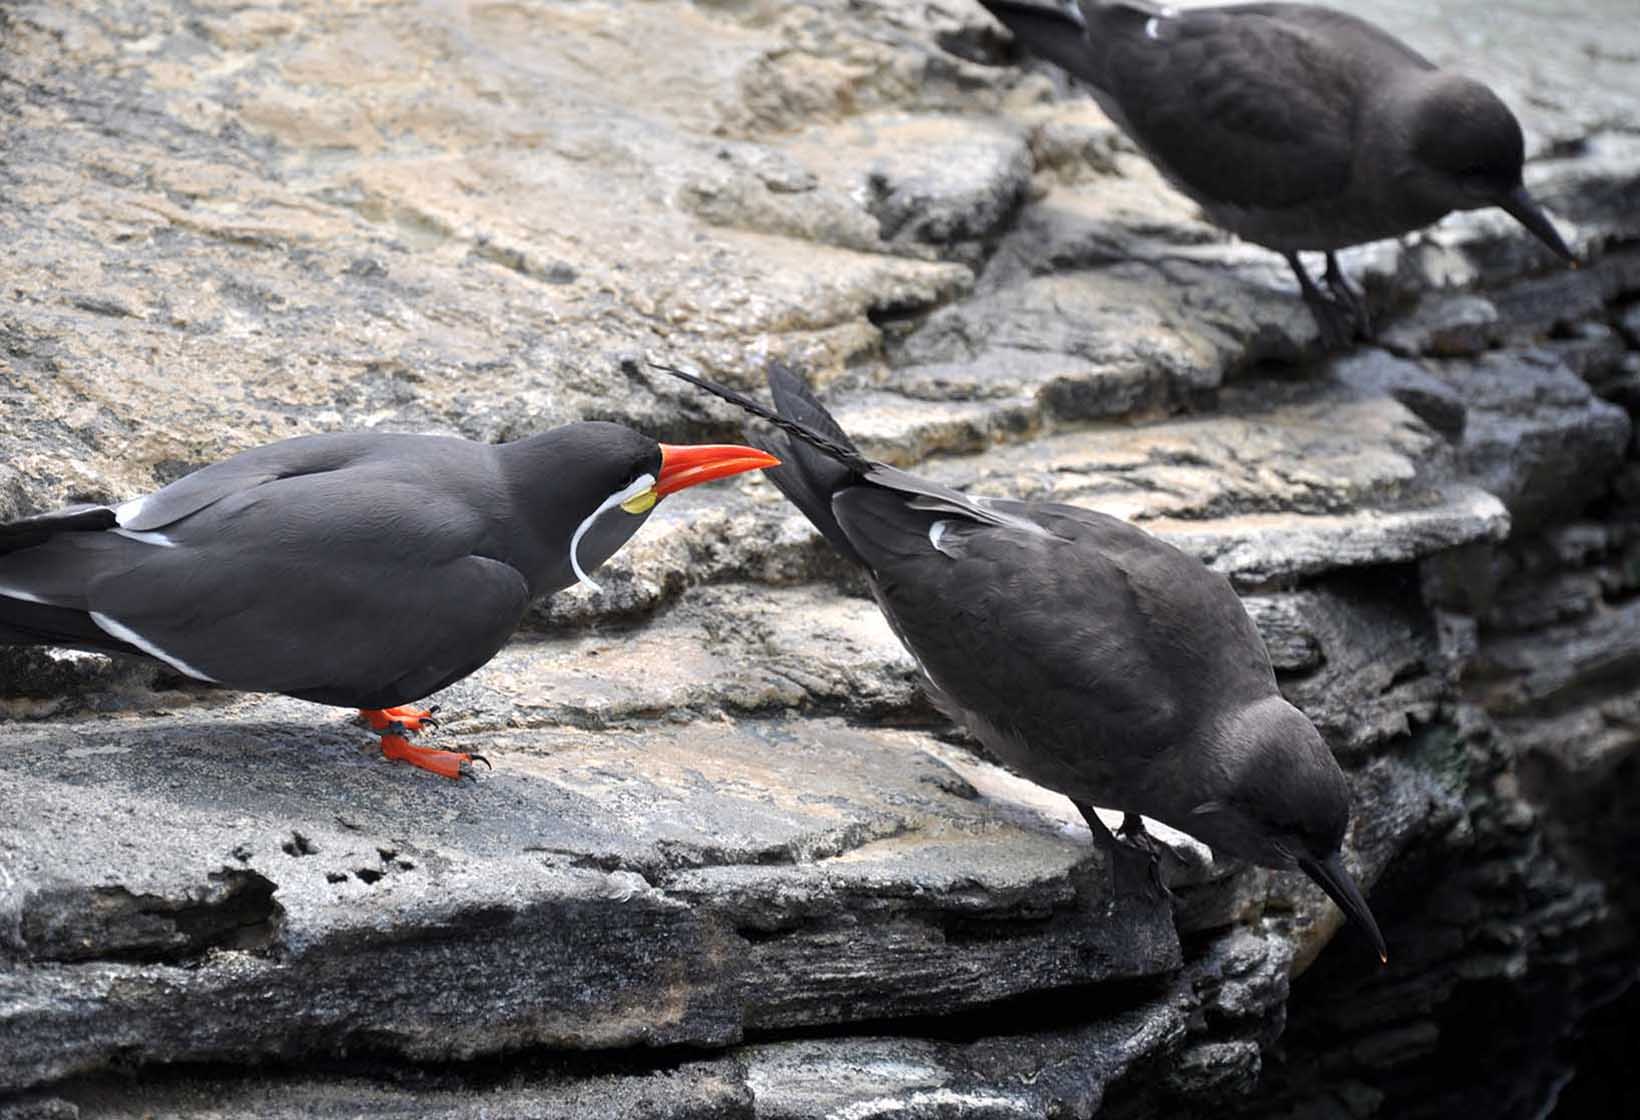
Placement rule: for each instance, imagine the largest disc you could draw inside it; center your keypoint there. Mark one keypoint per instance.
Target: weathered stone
(1536, 436)
(1041, 1074)
(39, 1108)
(39, 681)
(1376, 373)
(737, 648)
(228, 224)
(1595, 352)
(717, 907)
(1292, 645)
(696, 1090)
(1074, 144)
(1446, 326)
(1376, 670)
(949, 191)
(1255, 550)
(1516, 676)
(1212, 1068)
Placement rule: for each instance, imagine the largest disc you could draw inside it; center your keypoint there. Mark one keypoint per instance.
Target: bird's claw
(1340, 312)
(1351, 300)
(396, 726)
(1336, 322)
(1133, 837)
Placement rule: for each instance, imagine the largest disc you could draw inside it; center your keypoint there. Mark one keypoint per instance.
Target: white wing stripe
(125, 634)
(147, 537)
(936, 532)
(127, 512)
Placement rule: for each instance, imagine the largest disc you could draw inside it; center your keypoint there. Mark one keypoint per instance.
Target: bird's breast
(1322, 225)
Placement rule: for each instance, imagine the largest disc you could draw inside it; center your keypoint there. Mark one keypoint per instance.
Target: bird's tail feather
(1056, 34)
(838, 446)
(26, 622)
(27, 532)
(817, 458)
(23, 623)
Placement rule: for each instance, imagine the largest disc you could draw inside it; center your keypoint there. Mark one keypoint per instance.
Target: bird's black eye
(1482, 178)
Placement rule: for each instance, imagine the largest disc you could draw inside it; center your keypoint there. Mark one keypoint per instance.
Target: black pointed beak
(1330, 875)
(1519, 206)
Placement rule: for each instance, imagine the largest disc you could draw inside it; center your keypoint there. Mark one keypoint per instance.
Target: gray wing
(1243, 105)
(1368, 40)
(327, 586)
(1235, 104)
(1069, 649)
(291, 458)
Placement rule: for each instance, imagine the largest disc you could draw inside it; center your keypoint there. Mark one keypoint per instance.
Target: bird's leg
(1353, 299)
(1132, 845)
(1133, 834)
(1101, 834)
(1337, 324)
(396, 724)
(404, 717)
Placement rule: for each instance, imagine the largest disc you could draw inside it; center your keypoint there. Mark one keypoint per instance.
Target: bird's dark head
(603, 480)
(1467, 154)
(1285, 803)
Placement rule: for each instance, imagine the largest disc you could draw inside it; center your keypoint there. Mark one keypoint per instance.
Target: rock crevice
(730, 862)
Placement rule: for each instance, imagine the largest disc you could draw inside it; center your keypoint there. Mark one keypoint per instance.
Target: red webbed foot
(448, 764)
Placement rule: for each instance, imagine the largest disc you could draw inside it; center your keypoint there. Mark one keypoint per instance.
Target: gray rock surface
(730, 863)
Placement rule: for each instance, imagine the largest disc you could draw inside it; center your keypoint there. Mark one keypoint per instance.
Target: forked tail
(817, 458)
(1057, 34)
(25, 618)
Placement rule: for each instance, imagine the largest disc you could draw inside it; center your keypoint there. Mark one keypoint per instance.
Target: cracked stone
(234, 224)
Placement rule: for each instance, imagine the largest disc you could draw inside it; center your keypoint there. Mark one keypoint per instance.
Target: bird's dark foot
(448, 764)
(405, 718)
(1132, 835)
(1135, 856)
(1337, 317)
(1335, 322)
(1347, 296)
(1136, 873)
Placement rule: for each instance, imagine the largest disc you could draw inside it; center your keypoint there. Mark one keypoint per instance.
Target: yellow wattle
(641, 503)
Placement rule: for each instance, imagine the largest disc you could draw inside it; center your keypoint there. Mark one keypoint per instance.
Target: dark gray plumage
(1090, 656)
(1293, 126)
(363, 570)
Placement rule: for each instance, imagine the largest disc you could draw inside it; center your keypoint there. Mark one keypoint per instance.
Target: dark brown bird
(1294, 126)
(1092, 657)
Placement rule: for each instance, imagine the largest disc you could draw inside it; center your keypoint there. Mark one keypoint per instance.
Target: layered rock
(730, 863)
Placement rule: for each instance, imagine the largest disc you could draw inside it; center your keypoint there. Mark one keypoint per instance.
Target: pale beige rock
(720, 803)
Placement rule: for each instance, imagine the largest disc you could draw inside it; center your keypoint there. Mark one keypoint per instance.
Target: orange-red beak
(684, 465)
